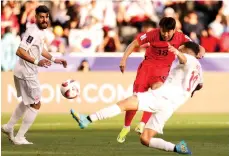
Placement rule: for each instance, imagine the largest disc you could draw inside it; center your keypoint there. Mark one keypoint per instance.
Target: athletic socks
(28, 120)
(105, 113)
(129, 117)
(161, 144)
(17, 114)
(146, 116)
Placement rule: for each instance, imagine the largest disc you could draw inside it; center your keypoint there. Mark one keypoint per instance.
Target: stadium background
(92, 36)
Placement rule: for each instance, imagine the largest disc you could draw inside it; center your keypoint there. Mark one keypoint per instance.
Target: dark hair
(81, 67)
(193, 46)
(42, 9)
(167, 23)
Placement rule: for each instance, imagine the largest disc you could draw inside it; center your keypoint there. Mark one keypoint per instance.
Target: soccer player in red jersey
(154, 69)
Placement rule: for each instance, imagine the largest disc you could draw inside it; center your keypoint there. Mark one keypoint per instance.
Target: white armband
(36, 62)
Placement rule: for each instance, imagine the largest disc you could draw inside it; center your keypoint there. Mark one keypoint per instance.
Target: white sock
(142, 123)
(28, 119)
(17, 114)
(161, 144)
(126, 127)
(105, 113)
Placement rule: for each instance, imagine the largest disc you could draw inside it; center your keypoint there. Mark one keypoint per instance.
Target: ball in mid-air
(70, 89)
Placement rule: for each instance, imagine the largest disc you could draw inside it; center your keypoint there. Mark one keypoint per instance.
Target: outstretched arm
(48, 56)
(181, 57)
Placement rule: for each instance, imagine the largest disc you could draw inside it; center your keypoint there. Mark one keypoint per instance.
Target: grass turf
(206, 135)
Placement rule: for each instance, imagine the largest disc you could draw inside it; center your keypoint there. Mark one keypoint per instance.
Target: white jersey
(182, 81)
(33, 43)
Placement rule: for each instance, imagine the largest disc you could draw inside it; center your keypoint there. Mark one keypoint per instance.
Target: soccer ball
(70, 89)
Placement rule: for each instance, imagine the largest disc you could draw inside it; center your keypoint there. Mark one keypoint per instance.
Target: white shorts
(29, 90)
(160, 107)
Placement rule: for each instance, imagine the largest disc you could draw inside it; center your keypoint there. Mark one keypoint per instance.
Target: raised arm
(181, 57)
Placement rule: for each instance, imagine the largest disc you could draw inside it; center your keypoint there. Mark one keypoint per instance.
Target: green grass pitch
(58, 135)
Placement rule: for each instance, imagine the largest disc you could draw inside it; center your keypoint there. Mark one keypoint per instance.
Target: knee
(145, 140)
(36, 106)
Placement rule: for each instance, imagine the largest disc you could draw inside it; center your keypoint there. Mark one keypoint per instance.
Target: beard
(42, 25)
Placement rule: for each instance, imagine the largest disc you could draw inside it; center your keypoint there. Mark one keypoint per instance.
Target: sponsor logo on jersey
(188, 38)
(29, 39)
(143, 37)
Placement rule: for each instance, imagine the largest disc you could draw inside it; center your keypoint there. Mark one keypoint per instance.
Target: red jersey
(157, 53)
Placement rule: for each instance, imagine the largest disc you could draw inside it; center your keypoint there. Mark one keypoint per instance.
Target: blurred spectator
(111, 42)
(84, 66)
(224, 42)
(109, 19)
(83, 21)
(14, 6)
(192, 24)
(9, 45)
(91, 15)
(8, 19)
(139, 11)
(58, 44)
(207, 10)
(59, 12)
(194, 38)
(72, 8)
(217, 26)
(27, 15)
(169, 12)
(209, 41)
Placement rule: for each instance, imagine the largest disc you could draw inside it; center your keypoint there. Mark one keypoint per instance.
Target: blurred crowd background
(90, 26)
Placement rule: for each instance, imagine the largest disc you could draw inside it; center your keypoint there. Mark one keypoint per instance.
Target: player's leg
(140, 101)
(140, 85)
(147, 138)
(31, 95)
(154, 83)
(8, 128)
(130, 103)
(27, 121)
(130, 114)
(155, 125)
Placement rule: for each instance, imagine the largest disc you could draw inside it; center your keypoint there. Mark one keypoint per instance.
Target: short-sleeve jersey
(33, 43)
(157, 52)
(182, 81)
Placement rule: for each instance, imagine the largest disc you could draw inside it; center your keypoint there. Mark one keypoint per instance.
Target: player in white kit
(184, 79)
(26, 76)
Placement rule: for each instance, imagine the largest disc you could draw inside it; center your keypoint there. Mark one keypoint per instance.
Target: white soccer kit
(26, 73)
(177, 89)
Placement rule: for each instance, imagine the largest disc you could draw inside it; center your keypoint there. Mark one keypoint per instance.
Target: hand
(44, 63)
(173, 49)
(122, 65)
(200, 55)
(61, 61)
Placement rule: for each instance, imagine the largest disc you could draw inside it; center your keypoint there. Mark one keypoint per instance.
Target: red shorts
(147, 75)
